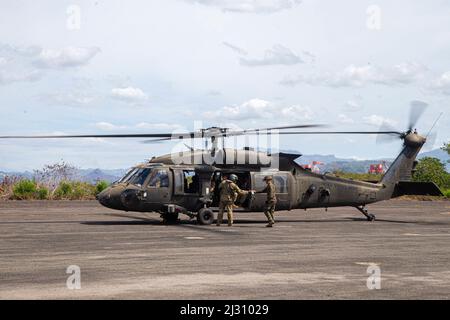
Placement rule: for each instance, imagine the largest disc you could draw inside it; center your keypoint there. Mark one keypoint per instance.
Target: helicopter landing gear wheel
(170, 217)
(205, 216)
(369, 216)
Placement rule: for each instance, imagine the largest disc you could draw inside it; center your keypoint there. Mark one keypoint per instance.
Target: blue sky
(158, 66)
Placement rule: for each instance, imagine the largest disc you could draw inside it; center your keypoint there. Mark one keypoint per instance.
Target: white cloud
(108, 126)
(249, 6)
(166, 127)
(65, 58)
(260, 109)
(378, 121)
(352, 106)
(296, 113)
(129, 94)
(26, 64)
(344, 119)
(74, 99)
(15, 64)
(277, 55)
(7, 77)
(159, 126)
(358, 76)
(442, 84)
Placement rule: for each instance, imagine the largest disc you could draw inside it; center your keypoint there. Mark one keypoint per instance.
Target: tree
(52, 174)
(432, 170)
(446, 147)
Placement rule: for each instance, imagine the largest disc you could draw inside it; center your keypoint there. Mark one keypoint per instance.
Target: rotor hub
(413, 139)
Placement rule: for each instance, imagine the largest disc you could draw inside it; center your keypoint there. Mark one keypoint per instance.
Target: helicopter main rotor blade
(396, 133)
(342, 132)
(200, 134)
(263, 130)
(417, 109)
(150, 141)
(130, 135)
(387, 138)
(430, 142)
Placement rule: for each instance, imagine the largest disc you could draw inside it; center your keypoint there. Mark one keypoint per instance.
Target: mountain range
(330, 163)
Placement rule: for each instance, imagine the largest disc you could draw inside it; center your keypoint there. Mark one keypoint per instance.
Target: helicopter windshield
(139, 176)
(127, 175)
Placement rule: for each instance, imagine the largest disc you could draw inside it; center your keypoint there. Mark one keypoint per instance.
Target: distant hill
(86, 175)
(94, 175)
(331, 163)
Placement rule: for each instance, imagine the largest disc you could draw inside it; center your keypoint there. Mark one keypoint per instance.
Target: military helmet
(233, 177)
(267, 178)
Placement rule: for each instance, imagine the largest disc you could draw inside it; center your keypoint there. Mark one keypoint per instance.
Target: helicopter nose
(110, 198)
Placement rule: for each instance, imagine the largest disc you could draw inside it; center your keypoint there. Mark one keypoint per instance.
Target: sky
(101, 67)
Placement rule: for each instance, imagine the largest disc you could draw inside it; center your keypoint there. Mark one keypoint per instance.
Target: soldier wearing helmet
(228, 194)
(271, 200)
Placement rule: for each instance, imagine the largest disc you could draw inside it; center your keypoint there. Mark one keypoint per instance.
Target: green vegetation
(100, 186)
(42, 193)
(358, 176)
(74, 190)
(56, 181)
(446, 147)
(28, 189)
(446, 193)
(432, 170)
(25, 189)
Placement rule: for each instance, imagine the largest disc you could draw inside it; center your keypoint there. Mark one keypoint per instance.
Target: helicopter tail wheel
(369, 216)
(205, 216)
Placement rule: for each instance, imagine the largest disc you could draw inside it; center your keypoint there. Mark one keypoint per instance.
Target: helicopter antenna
(435, 122)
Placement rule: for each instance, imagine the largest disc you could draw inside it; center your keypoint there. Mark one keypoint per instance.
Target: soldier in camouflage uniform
(228, 194)
(271, 200)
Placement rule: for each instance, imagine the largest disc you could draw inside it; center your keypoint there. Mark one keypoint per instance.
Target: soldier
(228, 194)
(271, 200)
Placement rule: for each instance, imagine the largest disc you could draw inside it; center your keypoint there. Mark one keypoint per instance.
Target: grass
(30, 189)
(358, 176)
(446, 193)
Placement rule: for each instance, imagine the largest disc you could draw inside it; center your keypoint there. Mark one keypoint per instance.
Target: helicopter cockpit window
(190, 181)
(159, 179)
(139, 176)
(127, 176)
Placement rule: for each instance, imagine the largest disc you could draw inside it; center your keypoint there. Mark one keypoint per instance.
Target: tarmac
(314, 254)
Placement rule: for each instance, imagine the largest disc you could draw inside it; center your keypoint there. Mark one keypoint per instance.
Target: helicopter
(176, 183)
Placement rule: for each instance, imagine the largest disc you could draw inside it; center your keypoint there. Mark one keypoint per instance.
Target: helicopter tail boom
(401, 168)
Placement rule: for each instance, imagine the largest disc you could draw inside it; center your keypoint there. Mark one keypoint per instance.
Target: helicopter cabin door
(186, 187)
(244, 183)
(158, 186)
(282, 186)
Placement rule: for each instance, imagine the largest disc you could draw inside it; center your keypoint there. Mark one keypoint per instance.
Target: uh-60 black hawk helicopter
(177, 183)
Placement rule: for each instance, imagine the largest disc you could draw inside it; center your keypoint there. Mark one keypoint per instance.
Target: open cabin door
(244, 183)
